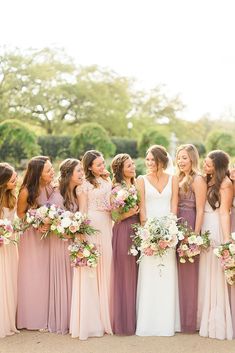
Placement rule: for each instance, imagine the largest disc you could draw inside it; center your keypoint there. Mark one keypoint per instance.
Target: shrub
(124, 145)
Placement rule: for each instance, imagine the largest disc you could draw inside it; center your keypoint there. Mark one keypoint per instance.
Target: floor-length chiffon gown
(8, 283)
(214, 314)
(157, 288)
(33, 275)
(233, 286)
(188, 272)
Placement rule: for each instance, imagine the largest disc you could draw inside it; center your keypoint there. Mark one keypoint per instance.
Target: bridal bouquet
(6, 232)
(155, 237)
(68, 224)
(192, 244)
(82, 253)
(226, 254)
(122, 200)
(37, 217)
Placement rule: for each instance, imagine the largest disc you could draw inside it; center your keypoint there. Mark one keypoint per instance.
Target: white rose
(199, 240)
(192, 239)
(232, 248)
(66, 222)
(86, 253)
(180, 235)
(233, 235)
(134, 252)
(173, 229)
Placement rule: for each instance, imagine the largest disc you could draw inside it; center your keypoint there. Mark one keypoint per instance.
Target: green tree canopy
(17, 142)
(92, 136)
(221, 140)
(151, 136)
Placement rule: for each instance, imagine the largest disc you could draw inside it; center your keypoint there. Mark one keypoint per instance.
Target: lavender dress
(124, 279)
(60, 284)
(33, 275)
(188, 272)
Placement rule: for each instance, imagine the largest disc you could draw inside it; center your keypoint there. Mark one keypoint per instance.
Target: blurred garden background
(49, 105)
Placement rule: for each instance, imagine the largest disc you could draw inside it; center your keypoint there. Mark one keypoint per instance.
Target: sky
(186, 45)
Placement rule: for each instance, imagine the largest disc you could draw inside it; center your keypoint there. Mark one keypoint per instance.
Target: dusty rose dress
(124, 281)
(214, 314)
(33, 275)
(60, 285)
(233, 286)
(188, 272)
(98, 205)
(8, 283)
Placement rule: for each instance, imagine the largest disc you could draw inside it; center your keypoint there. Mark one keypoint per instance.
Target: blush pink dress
(233, 286)
(8, 283)
(33, 275)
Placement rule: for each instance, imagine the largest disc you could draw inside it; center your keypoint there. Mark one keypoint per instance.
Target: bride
(157, 290)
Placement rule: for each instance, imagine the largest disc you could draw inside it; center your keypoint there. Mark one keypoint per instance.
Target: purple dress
(60, 285)
(33, 275)
(124, 279)
(188, 272)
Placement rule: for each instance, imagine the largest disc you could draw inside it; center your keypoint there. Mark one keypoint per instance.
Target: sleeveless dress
(60, 285)
(233, 286)
(124, 279)
(157, 288)
(188, 272)
(90, 313)
(33, 275)
(214, 314)
(8, 283)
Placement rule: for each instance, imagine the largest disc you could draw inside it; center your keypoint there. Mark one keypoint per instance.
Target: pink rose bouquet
(123, 199)
(6, 232)
(83, 253)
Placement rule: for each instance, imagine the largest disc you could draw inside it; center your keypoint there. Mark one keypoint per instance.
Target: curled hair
(117, 166)
(32, 176)
(159, 154)
(6, 172)
(87, 162)
(66, 171)
(220, 160)
(194, 158)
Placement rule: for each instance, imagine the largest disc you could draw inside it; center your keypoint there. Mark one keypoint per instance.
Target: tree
(218, 139)
(17, 142)
(92, 136)
(151, 137)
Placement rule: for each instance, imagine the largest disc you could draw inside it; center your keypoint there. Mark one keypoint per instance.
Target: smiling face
(98, 166)
(128, 169)
(47, 173)
(184, 162)
(151, 164)
(77, 176)
(208, 166)
(11, 184)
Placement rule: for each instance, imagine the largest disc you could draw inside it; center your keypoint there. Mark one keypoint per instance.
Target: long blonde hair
(194, 158)
(6, 171)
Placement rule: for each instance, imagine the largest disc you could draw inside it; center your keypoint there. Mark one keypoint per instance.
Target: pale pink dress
(99, 311)
(233, 286)
(8, 283)
(214, 314)
(33, 276)
(60, 286)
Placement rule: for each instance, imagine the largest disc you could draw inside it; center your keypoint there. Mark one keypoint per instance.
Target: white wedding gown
(157, 289)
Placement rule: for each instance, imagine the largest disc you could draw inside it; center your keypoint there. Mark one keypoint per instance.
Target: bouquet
(69, 224)
(37, 217)
(155, 237)
(226, 254)
(6, 232)
(192, 244)
(82, 253)
(122, 200)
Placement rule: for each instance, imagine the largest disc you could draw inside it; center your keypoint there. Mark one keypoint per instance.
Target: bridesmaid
(8, 254)
(60, 289)
(232, 177)
(192, 198)
(124, 265)
(97, 188)
(214, 312)
(85, 309)
(33, 276)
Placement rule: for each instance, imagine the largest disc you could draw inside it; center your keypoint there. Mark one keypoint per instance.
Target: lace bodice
(157, 204)
(98, 199)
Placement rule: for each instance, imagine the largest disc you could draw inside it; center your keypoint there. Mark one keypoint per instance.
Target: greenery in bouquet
(123, 198)
(83, 253)
(226, 254)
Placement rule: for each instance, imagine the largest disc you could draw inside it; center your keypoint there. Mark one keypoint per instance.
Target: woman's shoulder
(226, 183)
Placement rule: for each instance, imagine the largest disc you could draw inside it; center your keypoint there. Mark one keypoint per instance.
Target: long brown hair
(66, 171)
(6, 171)
(220, 160)
(117, 165)
(194, 158)
(159, 154)
(87, 161)
(32, 176)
